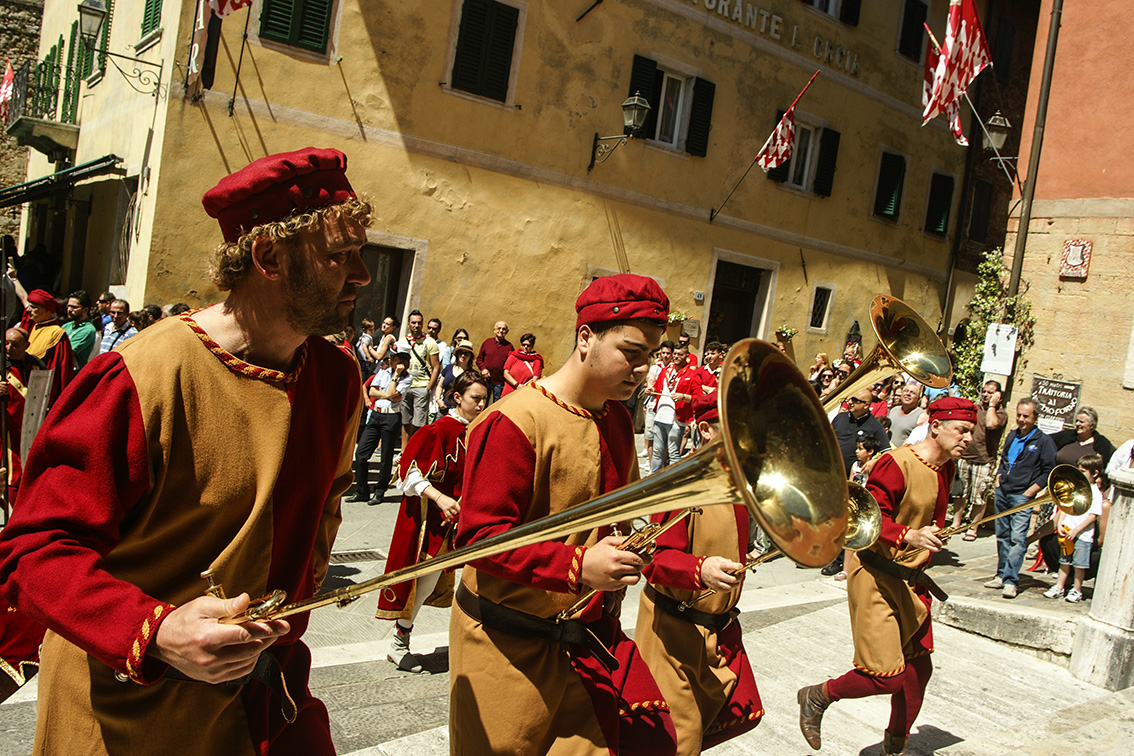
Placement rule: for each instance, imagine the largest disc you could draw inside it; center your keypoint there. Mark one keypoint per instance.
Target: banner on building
(1056, 402)
(1076, 260)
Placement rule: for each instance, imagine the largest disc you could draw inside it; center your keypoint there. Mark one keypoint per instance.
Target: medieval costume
(697, 654)
(48, 341)
(434, 456)
(165, 463)
(522, 682)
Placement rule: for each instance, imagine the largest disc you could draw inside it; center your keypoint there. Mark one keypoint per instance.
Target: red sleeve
(708, 379)
(87, 469)
(424, 449)
(480, 357)
(888, 485)
(510, 362)
(61, 358)
(537, 368)
(673, 566)
(499, 474)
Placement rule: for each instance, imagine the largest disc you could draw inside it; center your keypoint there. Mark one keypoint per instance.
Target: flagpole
(714, 212)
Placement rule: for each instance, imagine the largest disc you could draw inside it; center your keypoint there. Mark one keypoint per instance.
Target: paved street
(796, 631)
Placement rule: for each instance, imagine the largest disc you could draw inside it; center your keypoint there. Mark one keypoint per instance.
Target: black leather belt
(515, 622)
(677, 609)
(267, 671)
(893, 569)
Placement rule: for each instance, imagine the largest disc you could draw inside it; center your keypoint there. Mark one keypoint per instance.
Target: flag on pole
(960, 59)
(222, 8)
(780, 143)
(6, 91)
(952, 110)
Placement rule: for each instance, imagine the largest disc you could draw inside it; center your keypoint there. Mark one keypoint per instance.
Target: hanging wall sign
(1056, 402)
(1076, 259)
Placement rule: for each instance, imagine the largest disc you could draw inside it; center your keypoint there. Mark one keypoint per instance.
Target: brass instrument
(776, 455)
(864, 525)
(906, 344)
(1068, 487)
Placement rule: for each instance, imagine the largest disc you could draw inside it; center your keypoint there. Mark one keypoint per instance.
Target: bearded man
(217, 440)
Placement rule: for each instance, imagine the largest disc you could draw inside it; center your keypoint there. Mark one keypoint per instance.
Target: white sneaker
(1054, 592)
(996, 582)
(642, 453)
(1074, 596)
(1009, 591)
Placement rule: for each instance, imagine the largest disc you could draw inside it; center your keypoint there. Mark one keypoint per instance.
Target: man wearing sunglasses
(855, 424)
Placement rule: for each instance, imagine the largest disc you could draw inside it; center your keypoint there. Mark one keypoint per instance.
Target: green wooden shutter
(485, 44)
(825, 163)
(848, 14)
(299, 23)
(891, 176)
(909, 44)
(982, 210)
(779, 174)
(151, 16)
(71, 79)
(940, 202)
(646, 79)
(700, 117)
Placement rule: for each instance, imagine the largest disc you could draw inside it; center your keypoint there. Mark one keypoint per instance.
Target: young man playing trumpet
(521, 682)
(695, 650)
(890, 597)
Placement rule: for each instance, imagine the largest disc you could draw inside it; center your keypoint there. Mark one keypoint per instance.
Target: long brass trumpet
(906, 344)
(864, 525)
(1067, 486)
(776, 455)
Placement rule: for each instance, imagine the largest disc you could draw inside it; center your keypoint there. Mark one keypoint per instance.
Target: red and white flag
(952, 110)
(963, 55)
(6, 91)
(782, 140)
(222, 8)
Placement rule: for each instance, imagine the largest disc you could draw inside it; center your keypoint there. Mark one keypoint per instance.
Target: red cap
(276, 187)
(43, 299)
(705, 408)
(621, 297)
(952, 408)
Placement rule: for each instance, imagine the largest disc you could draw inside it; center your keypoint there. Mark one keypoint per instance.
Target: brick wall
(19, 41)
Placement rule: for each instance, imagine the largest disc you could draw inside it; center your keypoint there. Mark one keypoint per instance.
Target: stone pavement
(796, 631)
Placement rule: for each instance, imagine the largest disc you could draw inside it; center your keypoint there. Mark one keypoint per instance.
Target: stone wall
(19, 39)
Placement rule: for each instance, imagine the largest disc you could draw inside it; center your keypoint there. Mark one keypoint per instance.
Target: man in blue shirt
(1025, 462)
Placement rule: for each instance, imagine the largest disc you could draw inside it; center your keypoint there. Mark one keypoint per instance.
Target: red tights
(906, 691)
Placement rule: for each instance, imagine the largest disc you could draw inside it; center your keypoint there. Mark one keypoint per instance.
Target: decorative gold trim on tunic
(237, 365)
(569, 407)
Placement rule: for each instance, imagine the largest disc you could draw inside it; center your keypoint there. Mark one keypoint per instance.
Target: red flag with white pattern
(963, 55)
(781, 141)
(6, 91)
(953, 109)
(222, 8)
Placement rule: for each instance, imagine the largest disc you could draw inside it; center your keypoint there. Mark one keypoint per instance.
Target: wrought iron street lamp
(635, 110)
(92, 15)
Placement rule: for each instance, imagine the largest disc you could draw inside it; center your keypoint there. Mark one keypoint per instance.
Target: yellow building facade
(470, 124)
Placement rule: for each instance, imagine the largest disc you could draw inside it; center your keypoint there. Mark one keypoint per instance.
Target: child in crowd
(1076, 534)
(864, 456)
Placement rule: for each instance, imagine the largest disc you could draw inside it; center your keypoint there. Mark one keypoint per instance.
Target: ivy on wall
(990, 304)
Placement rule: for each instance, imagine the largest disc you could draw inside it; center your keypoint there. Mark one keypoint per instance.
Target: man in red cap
(218, 440)
(47, 340)
(688, 630)
(889, 594)
(521, 682)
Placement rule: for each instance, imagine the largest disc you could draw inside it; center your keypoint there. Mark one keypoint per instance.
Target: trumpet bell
(781, 453)
(906, 344)
(865, 519)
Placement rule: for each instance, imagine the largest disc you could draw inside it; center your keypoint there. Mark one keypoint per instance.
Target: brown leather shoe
(893, 745)
(813, 701)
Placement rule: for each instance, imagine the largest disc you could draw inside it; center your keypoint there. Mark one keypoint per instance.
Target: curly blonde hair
(232, 260)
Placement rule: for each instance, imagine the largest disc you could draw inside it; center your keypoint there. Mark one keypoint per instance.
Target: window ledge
(148, 41)
(935, 237)
(817, 331)
(445, 87)
(892, 222)
(664, 148)
(797, 190)
(824, 14)
(95, 77)
(295, 52)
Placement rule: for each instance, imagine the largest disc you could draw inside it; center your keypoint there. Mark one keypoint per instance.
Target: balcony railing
(46, 90)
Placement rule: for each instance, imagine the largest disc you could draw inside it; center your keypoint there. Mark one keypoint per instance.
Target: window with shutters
(814, 155)
(891, 177)
(911, 35)
(305, 24)
(1003, 49)
(681, 104)
(486, 48)
(92, 65)
(151, 17)
(940, 202)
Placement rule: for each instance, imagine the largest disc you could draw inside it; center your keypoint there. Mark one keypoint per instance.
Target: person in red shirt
(493, 354)
(715, 353)
(683, 340)
(675, 388)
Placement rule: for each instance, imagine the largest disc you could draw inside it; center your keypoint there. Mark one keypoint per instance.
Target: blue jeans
(1011, 536)
(667, 444)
